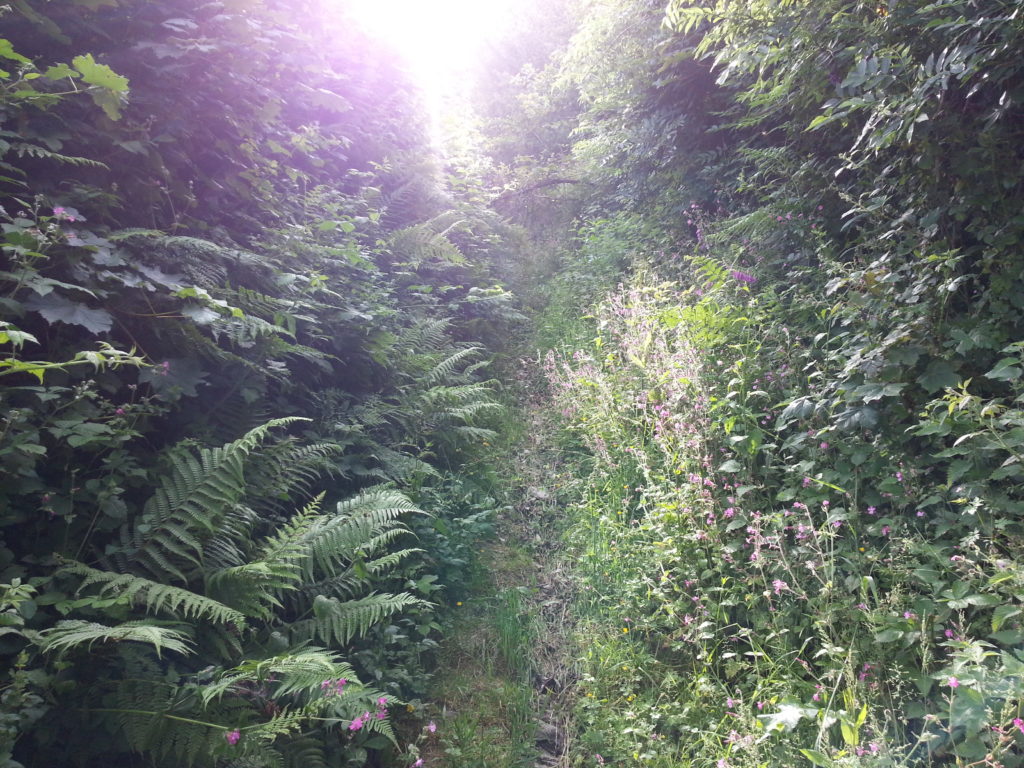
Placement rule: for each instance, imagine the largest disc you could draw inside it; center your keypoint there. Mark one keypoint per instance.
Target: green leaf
(731, 466)
(967, 710)
(109, 82)
(1007, 369)
(200, 315)
(937, 376)
(888, 635)
(7, 52)
(787, 718)
(99, 74)
(55, 308)
(59, 72)
(817, 758)
(1002, 613)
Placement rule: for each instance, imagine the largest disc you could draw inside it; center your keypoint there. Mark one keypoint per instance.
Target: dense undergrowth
(798, 390)
(243, 334)
(774, 266)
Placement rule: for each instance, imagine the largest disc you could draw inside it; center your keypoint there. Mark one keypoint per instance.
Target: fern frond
(306, 752)
(189, 504)
(71, 634)
(339, 621)
(34, 150)
(154, 596)
(447, 367)
(357, 521)
(303, 671)
(253, 586)
(474, 433)
(398, 467)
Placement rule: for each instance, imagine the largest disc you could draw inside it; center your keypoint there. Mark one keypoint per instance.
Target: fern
(253, 586)
(154, 596)
(189, 504)
(301, 672)
(345, 536)
(447, 367)
(21, 149)
(73, 634)
(340, 621)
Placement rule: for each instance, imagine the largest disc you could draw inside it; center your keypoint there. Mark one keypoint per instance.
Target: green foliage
(238, 229)
(800, 413)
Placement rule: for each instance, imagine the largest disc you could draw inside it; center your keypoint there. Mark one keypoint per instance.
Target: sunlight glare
(441, 40)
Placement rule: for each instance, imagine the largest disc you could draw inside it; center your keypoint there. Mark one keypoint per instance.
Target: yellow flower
(459, 604)
(625, 630)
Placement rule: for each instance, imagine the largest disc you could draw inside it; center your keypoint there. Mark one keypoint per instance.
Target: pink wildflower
(232, 737)
(953, 682)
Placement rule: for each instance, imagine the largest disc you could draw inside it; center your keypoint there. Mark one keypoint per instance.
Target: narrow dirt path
(505, 689)
(536, 520)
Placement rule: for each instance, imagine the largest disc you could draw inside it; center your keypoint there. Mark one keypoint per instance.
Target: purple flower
(432, 726)
(743, 277)
(953, 682)
(418, 763)
(356, 724)
(232, 737)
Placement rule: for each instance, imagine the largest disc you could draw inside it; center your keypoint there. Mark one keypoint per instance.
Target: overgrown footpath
(502, 695)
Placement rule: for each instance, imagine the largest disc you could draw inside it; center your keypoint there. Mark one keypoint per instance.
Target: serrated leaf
(55, 308)
(98, 74)
(199, 314)
(888, 635)
(59, 72)
(1002, 613)
(730, 466)
(787, 718)
(1007, 369)
(7, 52)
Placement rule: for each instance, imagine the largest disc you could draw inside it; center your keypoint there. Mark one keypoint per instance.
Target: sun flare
(441, 40)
